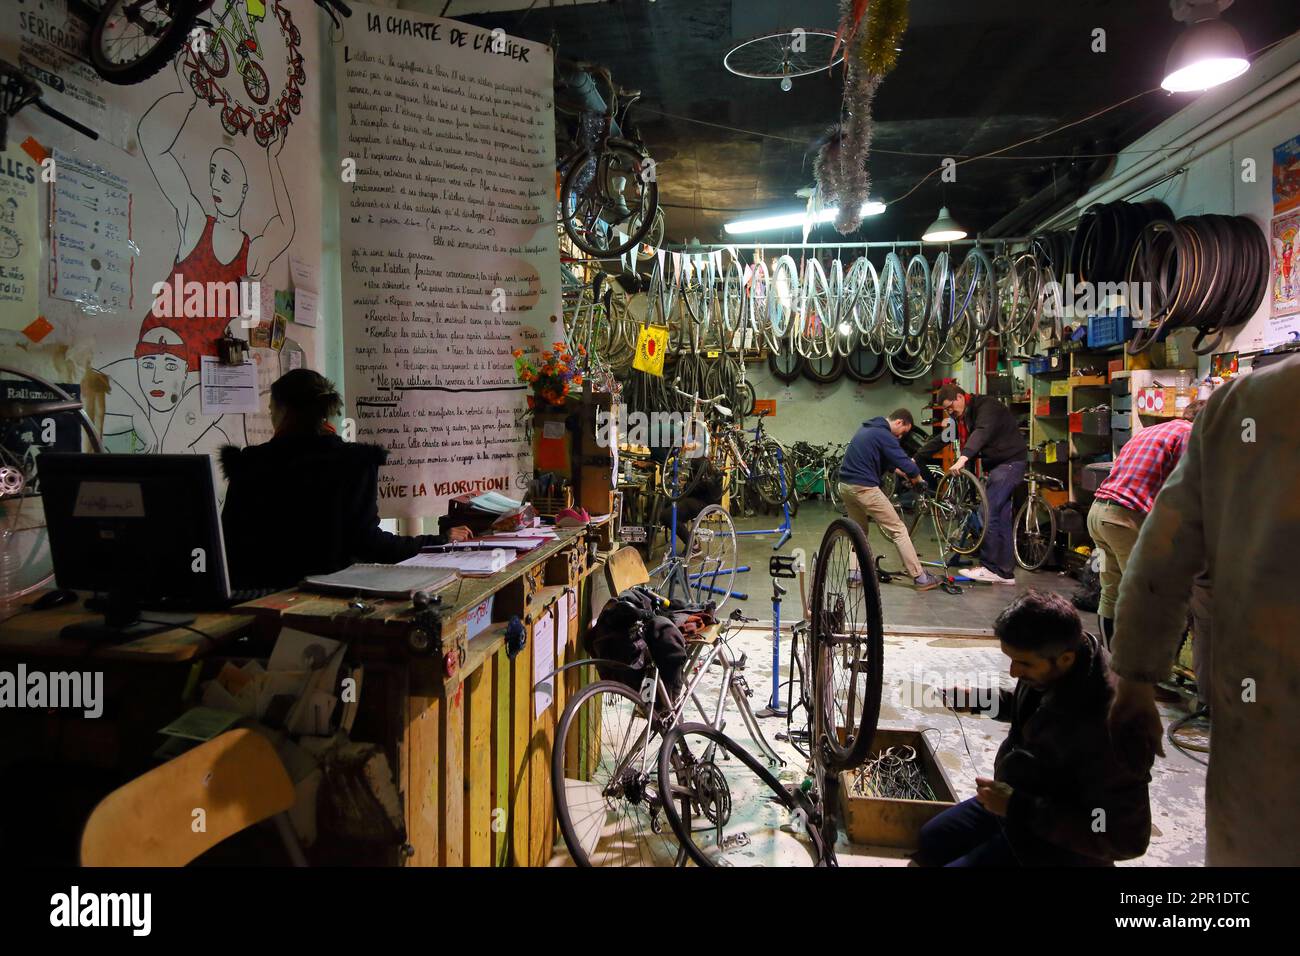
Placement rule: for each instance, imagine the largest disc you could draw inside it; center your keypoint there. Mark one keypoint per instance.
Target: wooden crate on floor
(879, 821)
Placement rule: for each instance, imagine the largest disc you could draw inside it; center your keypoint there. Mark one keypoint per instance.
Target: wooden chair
(237, 779)
(625, 569)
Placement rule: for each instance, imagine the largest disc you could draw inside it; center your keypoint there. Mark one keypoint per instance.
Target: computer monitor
(141, 531)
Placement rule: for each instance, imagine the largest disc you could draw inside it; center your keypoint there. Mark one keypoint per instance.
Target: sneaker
(1000, 578)
(925, 581)
(855, 578)
(982, 575)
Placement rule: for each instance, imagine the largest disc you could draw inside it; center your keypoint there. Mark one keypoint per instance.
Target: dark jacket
(305, 504)
(1059, 762)
(874, 450)
(992, 433)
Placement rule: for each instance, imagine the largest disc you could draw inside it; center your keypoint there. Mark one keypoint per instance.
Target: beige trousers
(867, 504)
(1114, 529)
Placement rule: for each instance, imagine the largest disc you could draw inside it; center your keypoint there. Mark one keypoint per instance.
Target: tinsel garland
(841, 165)
(886, 24)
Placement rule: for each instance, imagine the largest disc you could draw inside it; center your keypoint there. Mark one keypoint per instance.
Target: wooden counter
(457, 714)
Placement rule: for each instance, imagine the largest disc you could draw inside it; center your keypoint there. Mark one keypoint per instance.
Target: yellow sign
(651, 344)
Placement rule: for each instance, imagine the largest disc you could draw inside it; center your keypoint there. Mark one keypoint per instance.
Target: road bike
(628, 774)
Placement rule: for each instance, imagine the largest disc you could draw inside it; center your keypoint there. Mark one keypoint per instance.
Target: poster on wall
(19, 243)
(448, 249)
(1286, 176)
(1284, 290)
(157, 238)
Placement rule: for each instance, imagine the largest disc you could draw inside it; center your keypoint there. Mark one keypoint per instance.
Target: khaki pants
(865, 504)
(1114, 529)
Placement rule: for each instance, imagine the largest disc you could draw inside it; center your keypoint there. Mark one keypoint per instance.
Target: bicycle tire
(676, 482)
(966, 545)
(564, 786)
(709, 564)
(763, 838)
(159, 55)
(643, 217)
(831, 619)
(785, 364)
(1032, 549)
(824, 369)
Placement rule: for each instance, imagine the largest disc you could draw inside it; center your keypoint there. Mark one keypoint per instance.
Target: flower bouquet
(554, 378)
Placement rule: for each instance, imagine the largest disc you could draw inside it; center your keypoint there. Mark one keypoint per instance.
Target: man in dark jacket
(986, 429)
(874, 451)
(1060, 794)
(304, 504)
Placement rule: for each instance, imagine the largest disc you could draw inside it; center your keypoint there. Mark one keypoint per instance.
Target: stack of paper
(379, 580)
(473, 563)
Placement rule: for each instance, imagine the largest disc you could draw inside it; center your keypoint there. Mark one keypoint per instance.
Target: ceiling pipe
(1253, 108)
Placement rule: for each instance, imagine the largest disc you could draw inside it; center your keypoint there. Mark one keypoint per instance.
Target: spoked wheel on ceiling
(785, 55)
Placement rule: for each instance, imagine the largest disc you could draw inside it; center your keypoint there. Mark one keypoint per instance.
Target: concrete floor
(937, 639)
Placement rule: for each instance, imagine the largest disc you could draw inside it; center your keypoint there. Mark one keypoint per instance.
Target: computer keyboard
(240, 596)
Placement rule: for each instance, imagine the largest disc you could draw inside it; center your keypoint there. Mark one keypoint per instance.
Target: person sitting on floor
(874, 451)
(1060, 795)
(305, 502)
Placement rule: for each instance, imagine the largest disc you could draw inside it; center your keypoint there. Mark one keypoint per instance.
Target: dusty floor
(928, 653)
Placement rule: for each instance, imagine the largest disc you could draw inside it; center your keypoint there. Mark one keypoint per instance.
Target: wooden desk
(457, 717)
(36, 634)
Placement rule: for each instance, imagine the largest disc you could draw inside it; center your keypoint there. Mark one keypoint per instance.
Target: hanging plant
(870, 31)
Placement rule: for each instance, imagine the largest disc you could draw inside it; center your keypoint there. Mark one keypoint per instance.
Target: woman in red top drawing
(212, 248)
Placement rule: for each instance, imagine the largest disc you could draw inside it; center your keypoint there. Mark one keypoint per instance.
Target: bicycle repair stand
(785, 528)
(779, 566)
(693, 578)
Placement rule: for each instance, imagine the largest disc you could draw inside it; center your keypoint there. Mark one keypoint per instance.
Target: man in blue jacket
(875, 451)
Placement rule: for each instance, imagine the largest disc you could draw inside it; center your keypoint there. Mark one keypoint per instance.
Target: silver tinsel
(841, 167)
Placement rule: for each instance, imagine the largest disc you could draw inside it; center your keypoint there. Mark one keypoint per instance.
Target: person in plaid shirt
(1125, 498)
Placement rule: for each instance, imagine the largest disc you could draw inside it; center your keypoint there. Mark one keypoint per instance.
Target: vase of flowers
(554, 407)
(554, 378)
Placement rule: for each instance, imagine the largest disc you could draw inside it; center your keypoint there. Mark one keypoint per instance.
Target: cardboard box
(1163, 402)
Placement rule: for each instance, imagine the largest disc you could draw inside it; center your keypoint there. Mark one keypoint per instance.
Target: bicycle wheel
(711, 557)
(770, 481)
(962, 509)
(727, 809)
(133, 40)
(604, 769)
(848, 633)
(608, 209)
(1034, 533)
(679, 475)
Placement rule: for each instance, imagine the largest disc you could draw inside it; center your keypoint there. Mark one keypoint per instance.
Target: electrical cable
(1186, 748)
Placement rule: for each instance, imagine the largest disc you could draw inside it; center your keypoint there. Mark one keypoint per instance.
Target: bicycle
(1033, 535)
(612, 745)
(816, 470)
(606, 167)
(958, 507)
(758, 461)
(131, 40)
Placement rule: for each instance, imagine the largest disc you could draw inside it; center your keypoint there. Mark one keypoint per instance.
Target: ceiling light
(1208, 53)
(944, 229)
(794, 220)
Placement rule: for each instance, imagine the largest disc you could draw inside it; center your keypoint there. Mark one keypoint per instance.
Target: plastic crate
(1104, 330)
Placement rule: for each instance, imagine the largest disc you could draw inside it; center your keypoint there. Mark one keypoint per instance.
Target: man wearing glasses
(986, 429)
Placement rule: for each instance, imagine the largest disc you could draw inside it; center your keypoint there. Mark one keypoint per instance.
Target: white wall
(806, 411)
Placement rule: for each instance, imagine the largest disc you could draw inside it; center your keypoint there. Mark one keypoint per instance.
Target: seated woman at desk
(305, 501)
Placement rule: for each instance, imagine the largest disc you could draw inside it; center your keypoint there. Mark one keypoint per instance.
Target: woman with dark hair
(305, 502)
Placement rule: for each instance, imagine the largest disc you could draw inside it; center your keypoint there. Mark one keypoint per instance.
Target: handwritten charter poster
(448, 248)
